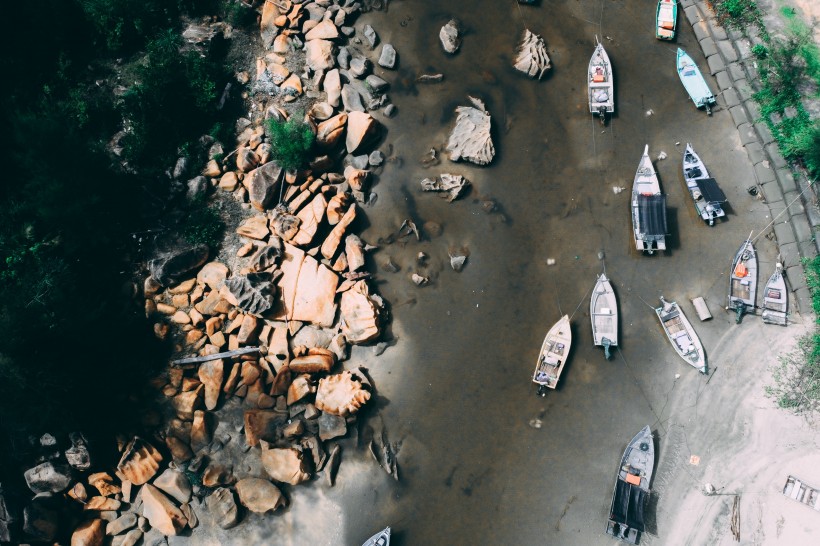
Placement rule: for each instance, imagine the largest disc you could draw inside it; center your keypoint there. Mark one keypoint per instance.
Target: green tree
(291, 141)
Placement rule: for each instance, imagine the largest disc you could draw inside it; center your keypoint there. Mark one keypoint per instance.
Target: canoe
(693, 81)
(553, 355)
(801, 492)
(743, 280)
(681, 335)
(603, 312)
(382, 538)
(775, 298)
(626, 513)
(666, 19)
(648, 208)
(600, 85)
(703, 189)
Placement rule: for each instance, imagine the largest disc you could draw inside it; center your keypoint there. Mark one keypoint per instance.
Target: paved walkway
(795, 213)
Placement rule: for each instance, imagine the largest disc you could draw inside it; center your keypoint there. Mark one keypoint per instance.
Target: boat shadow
(672, 226)
(651, 508)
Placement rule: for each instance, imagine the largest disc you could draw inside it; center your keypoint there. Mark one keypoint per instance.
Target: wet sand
(454, 390)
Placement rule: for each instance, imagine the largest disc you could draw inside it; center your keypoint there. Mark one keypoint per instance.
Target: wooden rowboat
(666, 19)
(775, 298)
(648, 208)
(681, 335)
(796, 490)
(603, 312)
(382, 538)
(743, 280)
(693, 81)
(553, 355)
(600, 85)
(626, 513)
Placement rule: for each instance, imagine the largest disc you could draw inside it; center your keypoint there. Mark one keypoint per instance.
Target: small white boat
(681, 335)
(743, 280)
(600, 84)
(382, 538)
(803, 493)
(648, 208)
(666, 19)
(603, 312)
(706, 194)
(775, 298)
(553, 355)
(693, 81)
(626, 513)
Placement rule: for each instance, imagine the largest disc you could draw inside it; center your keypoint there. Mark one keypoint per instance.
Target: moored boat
(775, 298)
(693, 81)
(553, 355)
(600, 84)
(801, 492)
(382, 538)
(681, 335)
(603, 312)
(666, 19)
(626, 513)
(743, 280)
(648, 208)
(706, 194)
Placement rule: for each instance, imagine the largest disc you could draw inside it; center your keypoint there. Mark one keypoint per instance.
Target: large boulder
(471, 139)
(89, 533)
(253, 293)
(174, 483)
(319, 55)
(222, 506)
(262, 184)
(360, 128)
(311, 216)
(532, 58)
(341, 394)
(361, 314)
(48, 477)
(260, 496)
(308, 289)
(173, 266)
(452, 185)
(325, 30)
(263, 425)
(286, 465)
(332, 85)
(268, 28)
(211, 374)
(449, 36)
(139, 462)
(160, 512)
(329, 131)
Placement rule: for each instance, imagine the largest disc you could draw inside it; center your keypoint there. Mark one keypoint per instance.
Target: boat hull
(707, 197)
(776, 299)
(553, 354)
(382, 538)
(603, 312)
(666, 19)
(681, 334)
(648, 208)
(631, 492)
(694, 82)
(743, 280)
(600, 83)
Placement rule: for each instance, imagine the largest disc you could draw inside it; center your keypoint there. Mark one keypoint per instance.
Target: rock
(354, 251)
(284, 224)
(376, 85)
(89, 533)
(197, 189)
(262, 425)
(229, 181)
(246, 159)
(308, 288)
(286, 465)
(319, 55)
(260, 496)
(341, 394)
(532, 58)
(352, 99)
(325, 30)
(212, 274)
(211, 373)
(213, 304)
(359, 66)
(360, 127)
(201, 431)
(173, 266)
(310, 217)
(212, 169)
(253, 292)
(104, 483)
(360, 314)
(356, 178)
(390, 110)
(255, 227)
(458, 259)
(329, 131)
(375, 158)
(430, 78)
(332, 85)
(41, 521)
(216, 475)
(321, 360)
(102, 504)
(371, 36)
(291, 86)
(267, 256)
(471, 139)
(320, 111)
(336, 208)
(343, 58)
(331, 426)
(175, 484)
(160, 512)
(332, 465)
(180, 450)
(452, 184)
(387, 58)
(49, 477)
(263, 185)
(139, 462)
(299, 388)
(223, 508)
(186, 403)
(188, 511)
(268, 28)
(449, 37)
(121, 524)
(131, 538)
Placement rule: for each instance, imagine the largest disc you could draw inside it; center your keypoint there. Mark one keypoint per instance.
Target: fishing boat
(666, 18)
(743, 280)
(648, 208)
(796, 490)
(693, 81)
(775, 298)
(553, 356)
(706, 194)
(626, 513)
(600, 85)
(681, 335)
(603, 311)
(382, 538)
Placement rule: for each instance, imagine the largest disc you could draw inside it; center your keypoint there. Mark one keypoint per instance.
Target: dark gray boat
(626, 515)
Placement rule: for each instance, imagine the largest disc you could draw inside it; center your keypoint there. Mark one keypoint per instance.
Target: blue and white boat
(693, 81)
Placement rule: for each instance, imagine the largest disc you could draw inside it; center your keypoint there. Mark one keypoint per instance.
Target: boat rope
(770, 224)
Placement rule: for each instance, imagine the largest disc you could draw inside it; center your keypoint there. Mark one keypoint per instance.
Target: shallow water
(455, 388)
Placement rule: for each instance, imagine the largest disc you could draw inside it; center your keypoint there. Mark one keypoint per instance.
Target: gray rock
(357, 161)
(48, 477)
(77, 455)
(359, 66)
(197, 189)
(457, 260)
(471, 139)
(375, 158)
(449, 37)
(332, 465)
(143, 525)
(268, 255)
(263, 184)
(452, 184)
(154, 538)
(175, 484)
(254, 292)
(7, 518)
(131, 539)
(371, 36)
(343, 58)
(390, 110)
(222, 506)
(121, 524)
(387, 58)
(40, 521)
(352, 99)
(174, 265)
(376, 85)
(331, 426)
(532, 58)
(348, 31)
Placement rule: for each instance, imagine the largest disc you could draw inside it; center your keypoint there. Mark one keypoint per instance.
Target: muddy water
(454, 388)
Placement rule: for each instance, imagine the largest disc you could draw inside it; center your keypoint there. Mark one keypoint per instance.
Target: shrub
(291, 141)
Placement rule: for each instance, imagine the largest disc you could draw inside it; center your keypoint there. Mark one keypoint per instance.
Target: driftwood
(216, 356)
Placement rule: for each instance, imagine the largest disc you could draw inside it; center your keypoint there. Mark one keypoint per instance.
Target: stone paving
(791, 203)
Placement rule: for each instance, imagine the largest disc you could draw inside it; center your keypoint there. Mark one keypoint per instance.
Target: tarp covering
(710, 191)
(652, 214)
(628, 504)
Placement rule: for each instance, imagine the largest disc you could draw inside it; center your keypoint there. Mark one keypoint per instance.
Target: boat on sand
(743, 280)
(626, 513)
(706, 194)
(775, 298)
(693, 81)
(603, 312)
(648, 208)
(382, 538)
(681, 335)
(600, 85)
(666, 19)
(553, 356)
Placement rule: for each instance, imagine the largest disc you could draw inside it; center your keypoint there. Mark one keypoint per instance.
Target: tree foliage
(291, 141)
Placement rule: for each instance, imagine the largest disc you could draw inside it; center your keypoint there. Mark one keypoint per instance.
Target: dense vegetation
(291, 141)
(72, 344)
